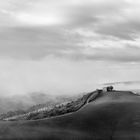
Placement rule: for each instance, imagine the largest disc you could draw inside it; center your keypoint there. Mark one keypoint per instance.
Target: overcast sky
(67, 46)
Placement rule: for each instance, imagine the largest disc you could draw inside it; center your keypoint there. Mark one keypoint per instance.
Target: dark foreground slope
(111, 116)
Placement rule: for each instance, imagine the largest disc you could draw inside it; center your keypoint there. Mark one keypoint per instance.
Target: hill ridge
(63, 109)
(77, 104)
(113, 115)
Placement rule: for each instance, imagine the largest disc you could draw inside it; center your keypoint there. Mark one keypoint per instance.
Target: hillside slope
(43, 111)
(112, 116)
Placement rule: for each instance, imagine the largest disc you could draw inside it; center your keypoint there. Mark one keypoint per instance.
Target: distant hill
(26, 101)
(18, 105)
(50, 109)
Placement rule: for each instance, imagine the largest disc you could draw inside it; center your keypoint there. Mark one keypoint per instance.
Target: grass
(112, 116)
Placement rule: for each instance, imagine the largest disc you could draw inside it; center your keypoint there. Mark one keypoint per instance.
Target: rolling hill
(111, 115)
(48, 110)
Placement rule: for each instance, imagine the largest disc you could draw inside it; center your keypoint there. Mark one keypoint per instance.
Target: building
(108, 89)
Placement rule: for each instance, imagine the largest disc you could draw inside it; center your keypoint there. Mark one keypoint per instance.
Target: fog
(58, 76)
(66, 48)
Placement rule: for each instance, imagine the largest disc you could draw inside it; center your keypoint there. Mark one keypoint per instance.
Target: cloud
(50, 13)
(77, 29)
(41, 42)
(35, 43)
(67, 47)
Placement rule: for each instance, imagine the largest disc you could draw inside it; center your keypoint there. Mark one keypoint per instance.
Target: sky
(67, 47)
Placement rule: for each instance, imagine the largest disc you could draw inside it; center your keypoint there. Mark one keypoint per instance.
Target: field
(112, 116)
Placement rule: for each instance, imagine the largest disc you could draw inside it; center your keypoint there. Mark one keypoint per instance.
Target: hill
(48, 110)
(111, 116)
(48, 103)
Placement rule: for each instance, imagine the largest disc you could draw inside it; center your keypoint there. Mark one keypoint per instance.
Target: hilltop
(49, 110)
(105, 115)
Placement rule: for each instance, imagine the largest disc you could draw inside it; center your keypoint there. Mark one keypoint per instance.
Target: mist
(59, 76)
(66, 48)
